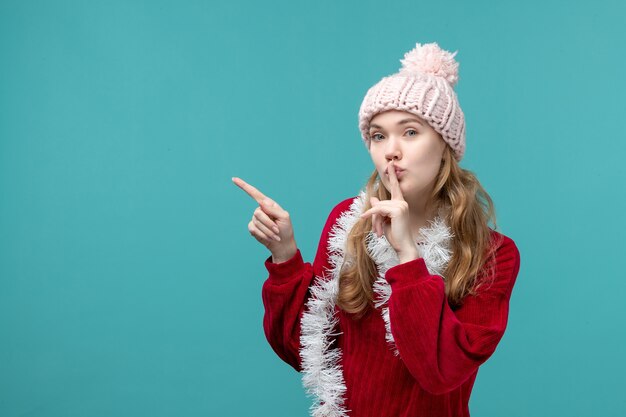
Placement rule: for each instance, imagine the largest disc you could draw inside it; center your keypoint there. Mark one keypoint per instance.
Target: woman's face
(416, 148)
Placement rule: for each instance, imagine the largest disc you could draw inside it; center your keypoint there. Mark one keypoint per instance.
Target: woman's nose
(392, 151)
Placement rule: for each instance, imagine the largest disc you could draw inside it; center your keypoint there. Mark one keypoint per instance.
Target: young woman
(409, 291)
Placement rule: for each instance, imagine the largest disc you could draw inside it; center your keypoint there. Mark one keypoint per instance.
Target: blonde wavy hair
(469, 209)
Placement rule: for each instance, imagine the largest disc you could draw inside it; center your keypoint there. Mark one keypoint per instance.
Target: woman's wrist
(286, 254)
(409, 254)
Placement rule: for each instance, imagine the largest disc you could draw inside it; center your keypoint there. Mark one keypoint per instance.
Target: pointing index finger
(252, 191)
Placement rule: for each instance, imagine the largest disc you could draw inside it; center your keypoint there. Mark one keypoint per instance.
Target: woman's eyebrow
(401, 122)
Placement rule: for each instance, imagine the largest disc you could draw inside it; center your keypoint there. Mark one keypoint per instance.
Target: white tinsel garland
(321, 368)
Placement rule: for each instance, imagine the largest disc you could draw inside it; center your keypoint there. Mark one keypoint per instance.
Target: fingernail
(277, 238)
(276, 230)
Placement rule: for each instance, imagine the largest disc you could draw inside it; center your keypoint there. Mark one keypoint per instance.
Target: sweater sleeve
(286, 291)
(440, 347)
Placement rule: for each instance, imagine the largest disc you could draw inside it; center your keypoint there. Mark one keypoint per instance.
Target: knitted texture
(424, 86)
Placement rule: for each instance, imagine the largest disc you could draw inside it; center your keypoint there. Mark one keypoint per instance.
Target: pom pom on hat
(429, 58)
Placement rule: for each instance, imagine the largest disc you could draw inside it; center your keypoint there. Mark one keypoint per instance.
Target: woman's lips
(399, 172)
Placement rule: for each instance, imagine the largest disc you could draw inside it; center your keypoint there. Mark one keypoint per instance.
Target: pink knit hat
(423, 86)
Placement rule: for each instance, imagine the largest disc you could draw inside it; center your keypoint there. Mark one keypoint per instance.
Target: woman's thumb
(270, 206)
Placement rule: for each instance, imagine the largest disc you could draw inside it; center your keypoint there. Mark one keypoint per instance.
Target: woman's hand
(270, 224)
(391, 218)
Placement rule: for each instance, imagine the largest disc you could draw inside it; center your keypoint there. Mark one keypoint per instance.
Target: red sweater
(440, 348)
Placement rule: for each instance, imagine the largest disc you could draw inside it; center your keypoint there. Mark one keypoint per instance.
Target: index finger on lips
(252, 191)
(396, 192)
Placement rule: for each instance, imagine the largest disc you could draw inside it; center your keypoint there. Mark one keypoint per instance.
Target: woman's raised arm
(286, 291)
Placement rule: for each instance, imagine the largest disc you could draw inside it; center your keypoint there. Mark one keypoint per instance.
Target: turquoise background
(129, 283)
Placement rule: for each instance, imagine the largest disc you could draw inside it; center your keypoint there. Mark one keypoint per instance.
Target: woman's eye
(375, 136)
